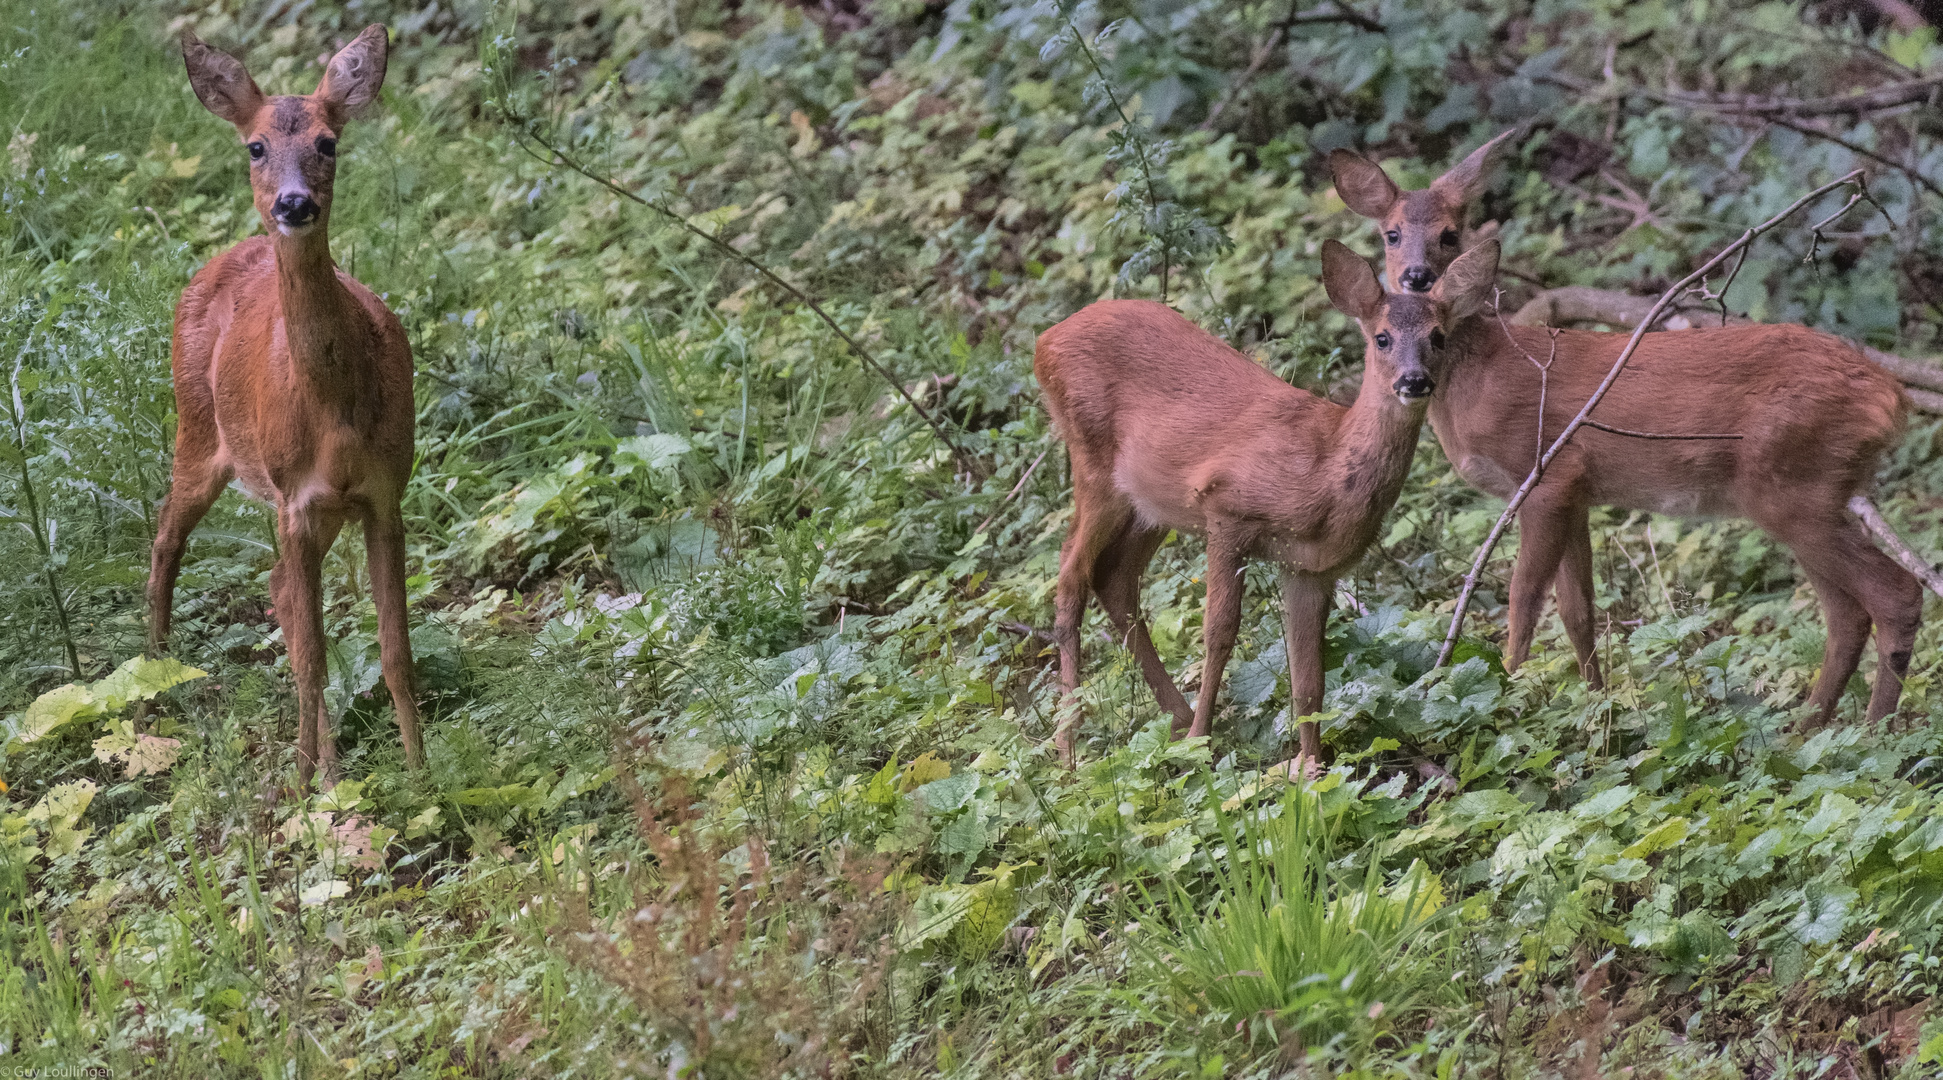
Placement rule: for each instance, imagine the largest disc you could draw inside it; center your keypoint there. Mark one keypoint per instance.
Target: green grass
(709, 626)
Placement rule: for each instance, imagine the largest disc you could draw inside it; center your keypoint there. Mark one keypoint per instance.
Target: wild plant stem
(17, 413)
(1139, 146)
(1666, 300)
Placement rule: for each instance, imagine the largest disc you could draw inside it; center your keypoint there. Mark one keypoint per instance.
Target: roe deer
(295, 379)
(1814, 417)
(1169, 428)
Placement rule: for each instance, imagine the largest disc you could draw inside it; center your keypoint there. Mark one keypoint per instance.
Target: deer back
(1809, 409)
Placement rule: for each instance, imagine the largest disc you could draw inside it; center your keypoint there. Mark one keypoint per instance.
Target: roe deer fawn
(1814, 417)
(295, 379)
(1169, 428)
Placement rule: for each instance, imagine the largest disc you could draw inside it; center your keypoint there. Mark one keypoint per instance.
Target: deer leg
(1305, 611)
(1091, 531)
(1848, 631)
(194, 486)
(1574, 589)
(1116, 578)
(297, 587)
(1219, 624)
(1543, 529)
(384, 545)
(1894, 599)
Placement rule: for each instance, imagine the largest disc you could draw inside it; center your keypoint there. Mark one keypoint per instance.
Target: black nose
(1414, 386)
(1418, 278)
(294, 210)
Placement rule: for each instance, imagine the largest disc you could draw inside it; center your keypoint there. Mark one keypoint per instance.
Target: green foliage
(667, 529)
(1289, 952)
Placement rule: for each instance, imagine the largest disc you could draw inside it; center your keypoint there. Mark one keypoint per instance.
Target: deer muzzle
(294, 209)
(1414, 386)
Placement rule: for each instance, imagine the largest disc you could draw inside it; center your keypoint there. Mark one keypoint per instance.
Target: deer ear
(1468, 283)
(1351, 285)
(1465, 181)
(221, 82)
(352, 78)
(1361, 183)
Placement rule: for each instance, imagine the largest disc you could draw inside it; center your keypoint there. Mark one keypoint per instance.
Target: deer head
(1422, 230)
(291, 139)
(1404, 334)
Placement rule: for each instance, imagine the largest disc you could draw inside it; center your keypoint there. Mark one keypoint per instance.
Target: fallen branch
(1895, 95)
(1578, 304)
(1652, 315)
(1898, 548)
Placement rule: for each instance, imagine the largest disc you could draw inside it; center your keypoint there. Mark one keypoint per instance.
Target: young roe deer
(1814, 416)
(1169, 428)
(293, 378)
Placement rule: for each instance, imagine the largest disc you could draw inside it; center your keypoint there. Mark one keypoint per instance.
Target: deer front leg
(1305, 610)
(1543, 526)
(1219, 624)
(384, 545)
(1575, 602)
(193, 488)
(297, 588)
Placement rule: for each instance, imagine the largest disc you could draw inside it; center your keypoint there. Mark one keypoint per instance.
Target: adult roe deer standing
(295, 379)
(1169, 428)
(1814, 416)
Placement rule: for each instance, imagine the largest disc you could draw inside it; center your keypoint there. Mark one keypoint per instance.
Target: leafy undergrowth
(736, 691)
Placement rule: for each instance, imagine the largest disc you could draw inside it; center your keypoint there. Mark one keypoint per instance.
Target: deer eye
(1383, 339)
(257, 150)
(327, 146)
(1449, 239)
(1436, 339)
(1393, 237)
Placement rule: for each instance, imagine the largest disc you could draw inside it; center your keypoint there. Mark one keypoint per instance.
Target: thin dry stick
(1653, 549)
(1016, 488)
(525, 129)
(1666, 300)
(1926, 573)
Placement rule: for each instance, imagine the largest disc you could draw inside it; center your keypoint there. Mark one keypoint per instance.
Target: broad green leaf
(1662, 836)
(140, 678)
(55, 709)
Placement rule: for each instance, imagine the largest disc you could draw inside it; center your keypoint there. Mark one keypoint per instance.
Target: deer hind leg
(1116, 578)
(1894, 599)
(1219, 625)
(1305, 611)
(1575, 606)
(1544, 528)
(1094, 525)
(384, 545)
(194, 485)
(296, 586)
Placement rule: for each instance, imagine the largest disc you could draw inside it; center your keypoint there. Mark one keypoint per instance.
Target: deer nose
(295, 209)
(1418, 278)
(1414, 387)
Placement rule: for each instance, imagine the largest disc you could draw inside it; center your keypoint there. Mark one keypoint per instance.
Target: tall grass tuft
(738, 967)
(1292, 952)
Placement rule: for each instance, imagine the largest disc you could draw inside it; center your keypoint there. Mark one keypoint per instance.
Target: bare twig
(1610, 430)
(525, 130)
(1665, 301)
(1016, 488)
(1899, 548)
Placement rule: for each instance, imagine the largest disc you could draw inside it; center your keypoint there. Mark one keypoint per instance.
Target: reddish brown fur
(1815, 415)
(1169, 428)
(294, 379)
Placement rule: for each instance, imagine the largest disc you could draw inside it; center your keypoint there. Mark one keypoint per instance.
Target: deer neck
(1375, 443)
(317, 309)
